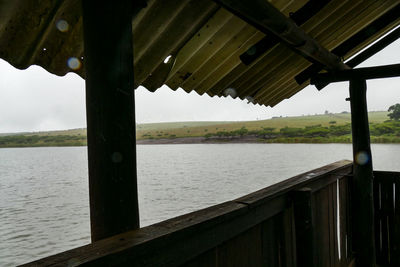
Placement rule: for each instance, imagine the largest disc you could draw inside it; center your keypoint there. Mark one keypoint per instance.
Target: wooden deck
(302, 221)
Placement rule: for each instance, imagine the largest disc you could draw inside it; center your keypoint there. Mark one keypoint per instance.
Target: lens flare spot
(362, 158)
(230, 92)
(62, 25)
(73, 63)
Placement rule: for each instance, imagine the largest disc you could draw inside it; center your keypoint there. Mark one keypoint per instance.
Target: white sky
(35, 100)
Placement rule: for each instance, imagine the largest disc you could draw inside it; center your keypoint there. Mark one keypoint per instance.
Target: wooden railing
(302, 221)
(387, 217)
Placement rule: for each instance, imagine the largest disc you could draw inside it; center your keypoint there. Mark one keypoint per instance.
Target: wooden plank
(334, 225)
(321, 217)
(360, 73)
(288, 254)
(167, 243)
(395, 259)
(345, 228)
(306, 249)
(303, 180)
(208, 258)
(270, 242)
(243, 250)
(363, 176)
(378, 215)
(110, 110)
(279, 240)
(386, 210)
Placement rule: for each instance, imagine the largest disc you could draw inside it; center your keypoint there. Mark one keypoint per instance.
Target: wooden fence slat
(208, 258)
(288, 254)
(333, 234)
(390, 219)
(305, 227)
(387, 217)
(243, 250)
(271, 242)
(395, 259)
(345, 222)
(321, 215)
(377, 210)
(385, 211)
(342, 220)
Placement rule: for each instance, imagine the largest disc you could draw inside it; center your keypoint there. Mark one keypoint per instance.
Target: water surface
(44, 206)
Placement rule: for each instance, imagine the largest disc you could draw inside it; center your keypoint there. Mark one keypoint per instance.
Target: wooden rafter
(269, 20)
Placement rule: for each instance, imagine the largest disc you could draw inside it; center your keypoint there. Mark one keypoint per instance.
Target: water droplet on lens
(362, 158)
(73, 63)
(230, 92)
(250, 99)
(62, 25)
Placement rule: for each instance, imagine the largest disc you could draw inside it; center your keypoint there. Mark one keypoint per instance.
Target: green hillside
(285, 129)
(196, 129)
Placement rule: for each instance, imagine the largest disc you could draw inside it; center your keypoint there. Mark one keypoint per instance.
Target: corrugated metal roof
(204, 40)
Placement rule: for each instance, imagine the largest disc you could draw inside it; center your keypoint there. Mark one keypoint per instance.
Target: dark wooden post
(363, 211)
(110, 108)
(304, 227)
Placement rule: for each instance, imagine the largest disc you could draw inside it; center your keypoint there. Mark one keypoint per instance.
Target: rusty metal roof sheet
(203, 40)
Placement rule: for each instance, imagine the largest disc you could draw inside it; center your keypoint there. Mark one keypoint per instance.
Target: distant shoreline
(197, 140)
(249, 139)
(315, 129)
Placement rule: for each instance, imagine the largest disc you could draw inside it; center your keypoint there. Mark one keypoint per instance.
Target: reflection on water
(44, 191)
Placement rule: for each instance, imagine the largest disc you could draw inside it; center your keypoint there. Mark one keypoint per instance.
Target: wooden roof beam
(265, 17)
(357, 39)
(379, 72)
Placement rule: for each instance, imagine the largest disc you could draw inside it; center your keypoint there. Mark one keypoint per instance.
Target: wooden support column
(363, 211)
(110, 108)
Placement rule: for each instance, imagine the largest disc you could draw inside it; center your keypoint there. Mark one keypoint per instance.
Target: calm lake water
(44, 204)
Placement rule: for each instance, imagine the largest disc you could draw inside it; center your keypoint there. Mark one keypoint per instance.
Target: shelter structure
(263, 51)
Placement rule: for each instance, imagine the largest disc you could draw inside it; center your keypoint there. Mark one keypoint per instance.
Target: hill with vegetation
(193, 129)
(323, 128)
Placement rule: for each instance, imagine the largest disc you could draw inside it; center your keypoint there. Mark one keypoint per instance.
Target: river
(44, 204)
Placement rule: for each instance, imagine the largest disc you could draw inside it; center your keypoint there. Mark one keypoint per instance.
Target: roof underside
(207, 43)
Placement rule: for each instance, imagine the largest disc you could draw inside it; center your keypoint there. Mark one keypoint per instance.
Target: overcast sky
(35, 100)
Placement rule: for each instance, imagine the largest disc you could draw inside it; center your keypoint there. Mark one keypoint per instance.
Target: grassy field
(195, 129)
(77, 137)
